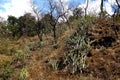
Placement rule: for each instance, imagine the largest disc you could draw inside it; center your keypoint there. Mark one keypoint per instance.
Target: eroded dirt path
(36, 67)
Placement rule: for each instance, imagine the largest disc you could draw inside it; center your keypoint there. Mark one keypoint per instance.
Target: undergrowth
(5, 70)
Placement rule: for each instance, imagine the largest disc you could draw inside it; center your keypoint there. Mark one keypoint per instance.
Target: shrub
(35, 45)
(22, 53)
(5, 70)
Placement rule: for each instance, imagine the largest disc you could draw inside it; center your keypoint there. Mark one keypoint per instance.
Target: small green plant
(54, 63)
(19, 55)
(102, 49)
(23, 74)
(41, 44)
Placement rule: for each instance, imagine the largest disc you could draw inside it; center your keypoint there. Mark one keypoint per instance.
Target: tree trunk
(39, 33)
(101, 8)
(54, 33)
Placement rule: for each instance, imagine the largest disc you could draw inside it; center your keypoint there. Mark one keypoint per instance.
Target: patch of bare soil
(104, 58)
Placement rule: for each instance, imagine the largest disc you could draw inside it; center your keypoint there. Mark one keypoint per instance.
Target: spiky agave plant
(77, 45)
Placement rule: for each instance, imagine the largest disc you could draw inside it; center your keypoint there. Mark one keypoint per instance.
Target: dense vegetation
(82, 46)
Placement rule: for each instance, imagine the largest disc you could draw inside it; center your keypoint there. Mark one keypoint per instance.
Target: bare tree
(56, 11)
(66, 14)
(38, 25)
